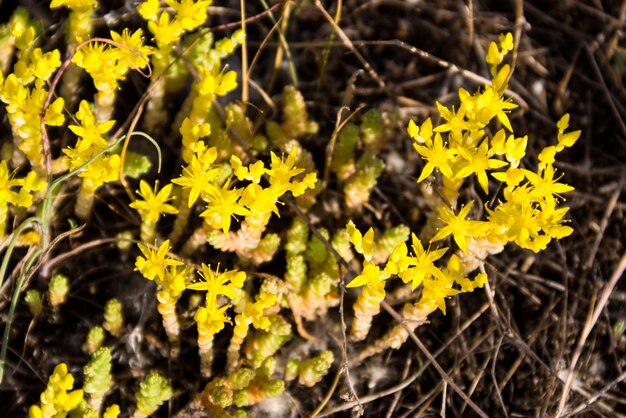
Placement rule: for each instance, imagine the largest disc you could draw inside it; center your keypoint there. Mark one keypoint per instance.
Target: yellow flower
(198, 178)
(478, 161)
(99, 60)
(458, 226)
(515, 149)
(363, 244)
(54, 113)
(154, 263)
(56, 400)
(455, 122)
(112, 411)
(552, 222)
(136, 56)
(422, 134)
(493, 54)
(166, 32)
(176, 280)
(216, 283)
(545, 186)
(455, 271)
(149, 9)
(565, 140)
(282, 171)
(226, 83)
(511, 177)
(506, 42)
(253, 172)
(79, 5)
(260, 200)
(547, 157)
(399, 261)
(90, 131)
(255, 312)
(438, 156)
(154, 204)
(211, 319)
(222, 205)
(190, 13)
(424, 265)
(43, 65)
(481, 107)
(308, 182)
(371, 276)
(437, 290)
(7, 183)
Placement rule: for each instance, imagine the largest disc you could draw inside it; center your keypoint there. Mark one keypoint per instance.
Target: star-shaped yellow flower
(154, 203)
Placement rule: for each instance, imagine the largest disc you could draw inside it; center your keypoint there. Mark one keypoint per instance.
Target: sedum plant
(108, 63)
(211, 317)
(58, 399)
(172, 277)
(113, 317)
(16, 192)
(24, 92)
(98, 378)
(310, 371)
(252, 313)
(228, 183)
(79, 28)
(154, 390)
(34, 301)
(151, 207)
(527, 213)
(95, 339)
(58, 289)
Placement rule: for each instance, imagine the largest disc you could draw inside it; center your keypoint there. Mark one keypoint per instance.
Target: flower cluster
(108, 64)
(16, 192)
(256, 203)
(90, 143)
(527, 213)
(212, 316)
(24, 91)
(152, 206)
(172, 277)
(58, 399)
(418, 268)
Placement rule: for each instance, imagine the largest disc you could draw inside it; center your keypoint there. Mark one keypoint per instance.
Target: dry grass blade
(589, 325)
(610, 207)
(348, 43)
(434, 362)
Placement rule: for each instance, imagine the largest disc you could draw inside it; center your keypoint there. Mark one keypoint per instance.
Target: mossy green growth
(373, 129)
(84, 410)
(58, 289)
(95, 339)
(343, 163)
(359, 186)
(260, 388)
(310, 371)
(98, 378)
(34, 302)
(266, 343)
(153, 392)
(296, 122)
(313, 370)
(113, 317)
